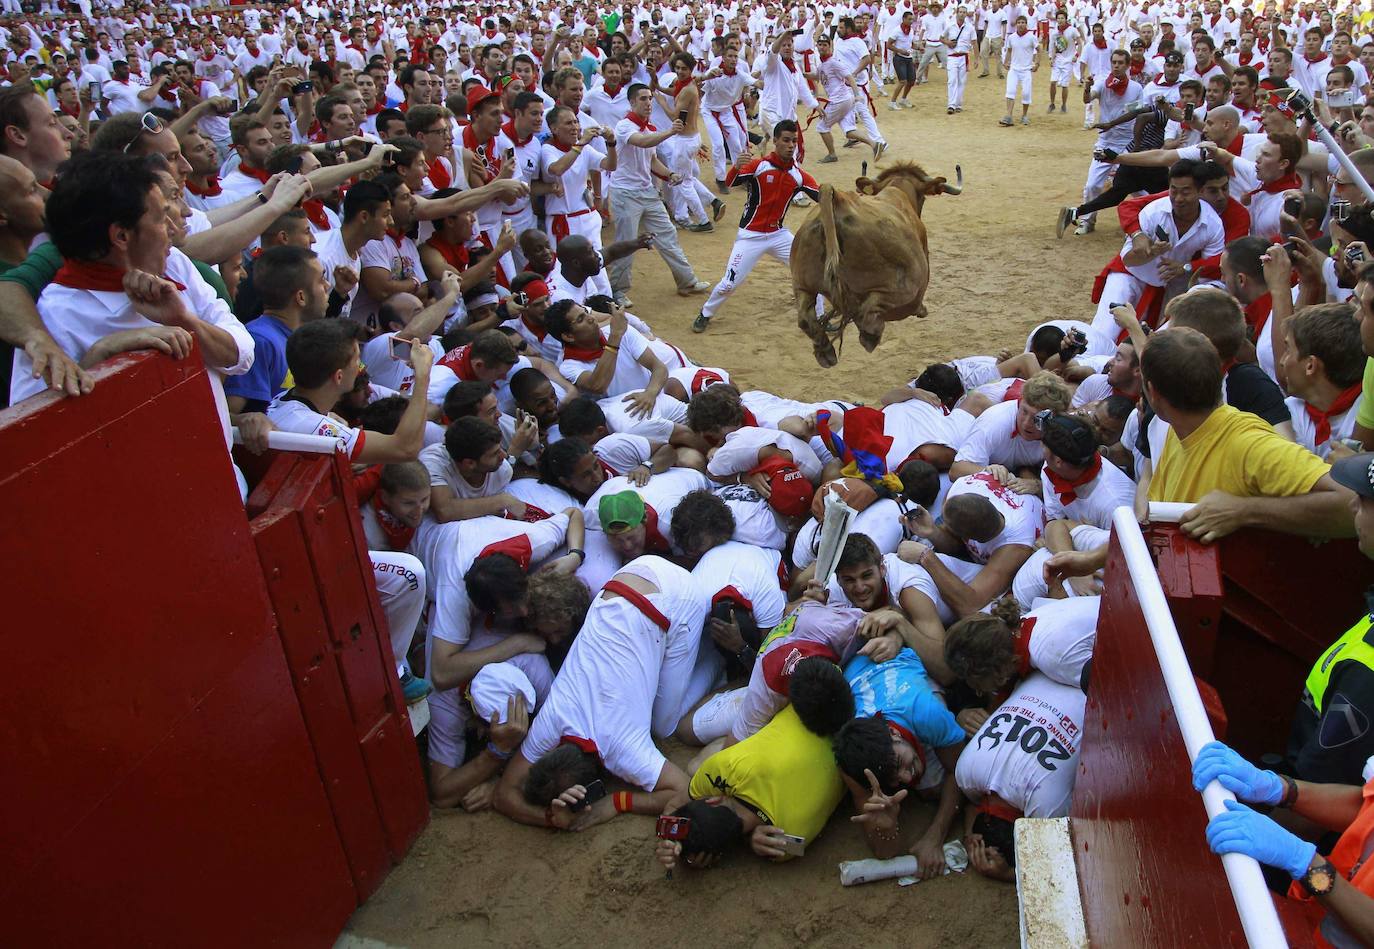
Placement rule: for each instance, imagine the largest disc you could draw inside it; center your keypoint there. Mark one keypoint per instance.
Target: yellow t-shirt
(785, 772)
(1235, 452)
(1364, 415)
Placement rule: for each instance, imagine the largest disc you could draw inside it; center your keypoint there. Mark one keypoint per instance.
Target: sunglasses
(150, 124)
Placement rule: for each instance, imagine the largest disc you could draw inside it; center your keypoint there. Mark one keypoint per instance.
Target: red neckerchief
(639, 601)
(559, 145)
(1066, 487)
(259, 174)
(586, 744)
(1322, 419)
(1314, 59)
(251, 51)
(398, 534)
(585, 354)
(750, 421)
(1237, 144)
(1216, 18)
(95, 275)
(460, 361)
(1160, 82)
(826, 58)
(485, 152)
(212, 188)
(906, 29)
(375, 108)
(1135, 69)
(314, 211)
(539, 332)
(791, 66)
(439, 175)
(592, 48)
(1100, 43)
(1244, 58)
(644, 124)
(456, 255)
(1277, 186)
(74, 113)
(208, 57)
(509, 129)
(611, 91)
(1012, 394)
(1340, 61)
(678, 86)
(396, 238)
(728, 70)
(1257, 312)
(1118, 86)
(1020, 641)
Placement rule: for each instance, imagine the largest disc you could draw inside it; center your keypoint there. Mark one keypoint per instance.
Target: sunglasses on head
(150, 124)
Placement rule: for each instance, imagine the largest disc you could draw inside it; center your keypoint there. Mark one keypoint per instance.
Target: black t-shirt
(1250, 389)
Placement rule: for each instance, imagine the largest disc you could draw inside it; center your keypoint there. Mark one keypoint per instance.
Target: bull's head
(910, 178)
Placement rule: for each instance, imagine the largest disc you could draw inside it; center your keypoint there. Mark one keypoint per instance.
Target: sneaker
(906, 104)
(983, 74)
(1051, 108)
(878, 149)
(1084, 227)
(700, 323)
(626, 302)
(1087, 126)
(717, 208)
(1025, 120)
(893, 106)
(705, 227)
(1067, 216)
(949, 110)
(1005, 120)
(850, 142)
(721, 186)
(414, 688)
(801, 200)
(832, 158)
(1063, 109)
(958, 108)
(701, 286)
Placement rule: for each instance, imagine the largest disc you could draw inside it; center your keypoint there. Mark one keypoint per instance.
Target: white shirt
(293, 415)
(1095, 501)
(605, 691)
(914, 423)
(752, 572)
(1018, 51)
(443, 471)
(662, 492)
(1205, 237)
(632, 161)
(629, 375)
(1305, 430)
(121, 97)
(880, 522)
(1111, 107)
(332, 253)
(1058, 637)
(994, 440)
(1023, 515)
(1038, 783)
(622, 451)
(740, 452)
(756, 523)
(400, 259)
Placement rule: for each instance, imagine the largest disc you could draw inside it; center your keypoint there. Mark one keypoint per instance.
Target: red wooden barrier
(173, 774)
(1252, 613)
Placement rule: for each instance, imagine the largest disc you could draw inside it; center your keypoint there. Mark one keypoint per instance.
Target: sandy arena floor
(997, 271)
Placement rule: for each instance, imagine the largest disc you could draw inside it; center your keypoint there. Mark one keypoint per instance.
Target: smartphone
(1291, 246)
(1188, 111)
(520, 297)
(94, 89)
(510, 153)
(1353, 255)
(682, 116)
(796, 32)
(1160, 233)
(793, 845)
(1354, 444)
(400, 349)
(595, 792)
(673, 828)
(300, 87)
(1115, 305)
(294, 166)
(1292, 206)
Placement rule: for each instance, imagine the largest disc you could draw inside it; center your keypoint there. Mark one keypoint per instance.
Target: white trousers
(863, 111)
(1099, 174)
(956, 77)
(749, 247)
(1119, 288)
(685, 200)
(728, 137)
(401, 589)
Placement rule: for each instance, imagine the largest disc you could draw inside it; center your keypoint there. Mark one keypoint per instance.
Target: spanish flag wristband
(624, 801)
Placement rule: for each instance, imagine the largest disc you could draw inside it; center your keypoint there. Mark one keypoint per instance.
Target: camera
(673, 828)
(1344, 99)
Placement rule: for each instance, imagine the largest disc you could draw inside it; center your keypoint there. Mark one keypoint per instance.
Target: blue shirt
(899, 690)
(266, 379)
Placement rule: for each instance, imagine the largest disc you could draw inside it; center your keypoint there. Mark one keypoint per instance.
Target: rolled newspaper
(838, 518)
(854, 872)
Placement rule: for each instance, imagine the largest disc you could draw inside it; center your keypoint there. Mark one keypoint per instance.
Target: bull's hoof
(921, 312)
(825, 353)
(869, 341)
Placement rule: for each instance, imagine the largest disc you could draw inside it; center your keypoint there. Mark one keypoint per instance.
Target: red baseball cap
(477, 95)
(792, 491)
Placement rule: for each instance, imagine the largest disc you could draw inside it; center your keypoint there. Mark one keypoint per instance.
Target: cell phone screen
(595, 792)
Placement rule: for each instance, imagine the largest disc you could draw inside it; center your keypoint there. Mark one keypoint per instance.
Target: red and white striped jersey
(772, 183)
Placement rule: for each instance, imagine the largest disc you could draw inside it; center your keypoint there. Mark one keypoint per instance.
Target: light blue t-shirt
(899, 690)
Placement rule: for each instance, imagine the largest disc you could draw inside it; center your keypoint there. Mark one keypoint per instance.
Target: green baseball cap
(621, 512)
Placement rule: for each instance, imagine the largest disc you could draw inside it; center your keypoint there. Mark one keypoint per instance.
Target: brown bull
(866, 254)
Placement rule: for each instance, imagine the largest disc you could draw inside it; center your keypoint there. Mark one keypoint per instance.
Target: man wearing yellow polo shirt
(1236, 470)
(780, 781)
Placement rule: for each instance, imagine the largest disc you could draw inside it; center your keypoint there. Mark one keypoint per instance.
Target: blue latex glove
(1216, 762)
(1241, 830)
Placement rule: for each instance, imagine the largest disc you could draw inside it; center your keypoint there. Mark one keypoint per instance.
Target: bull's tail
(832, 238)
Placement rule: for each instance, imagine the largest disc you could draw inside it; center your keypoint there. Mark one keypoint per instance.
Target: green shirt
(1365, 416)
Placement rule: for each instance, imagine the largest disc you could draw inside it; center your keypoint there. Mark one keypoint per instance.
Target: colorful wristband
(624, 801)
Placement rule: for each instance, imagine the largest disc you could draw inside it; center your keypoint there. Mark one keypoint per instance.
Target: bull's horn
(959, 177)
(863, 169)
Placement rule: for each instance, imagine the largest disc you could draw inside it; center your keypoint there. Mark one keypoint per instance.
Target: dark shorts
(904, 67)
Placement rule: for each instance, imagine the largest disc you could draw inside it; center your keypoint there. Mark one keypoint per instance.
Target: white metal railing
(291, 441)
(1253, 903)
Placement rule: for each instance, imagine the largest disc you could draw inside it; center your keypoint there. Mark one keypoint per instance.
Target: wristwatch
(1320, 879)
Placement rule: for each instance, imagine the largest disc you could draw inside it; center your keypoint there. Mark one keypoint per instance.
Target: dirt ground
(997, 271)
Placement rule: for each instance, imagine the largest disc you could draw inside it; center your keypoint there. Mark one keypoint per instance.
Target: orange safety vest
(1350, 857)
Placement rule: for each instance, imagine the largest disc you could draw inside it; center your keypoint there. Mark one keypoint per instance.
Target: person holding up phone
(687, 200)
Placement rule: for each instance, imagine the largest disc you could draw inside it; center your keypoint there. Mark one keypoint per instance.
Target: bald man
(21, 211)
